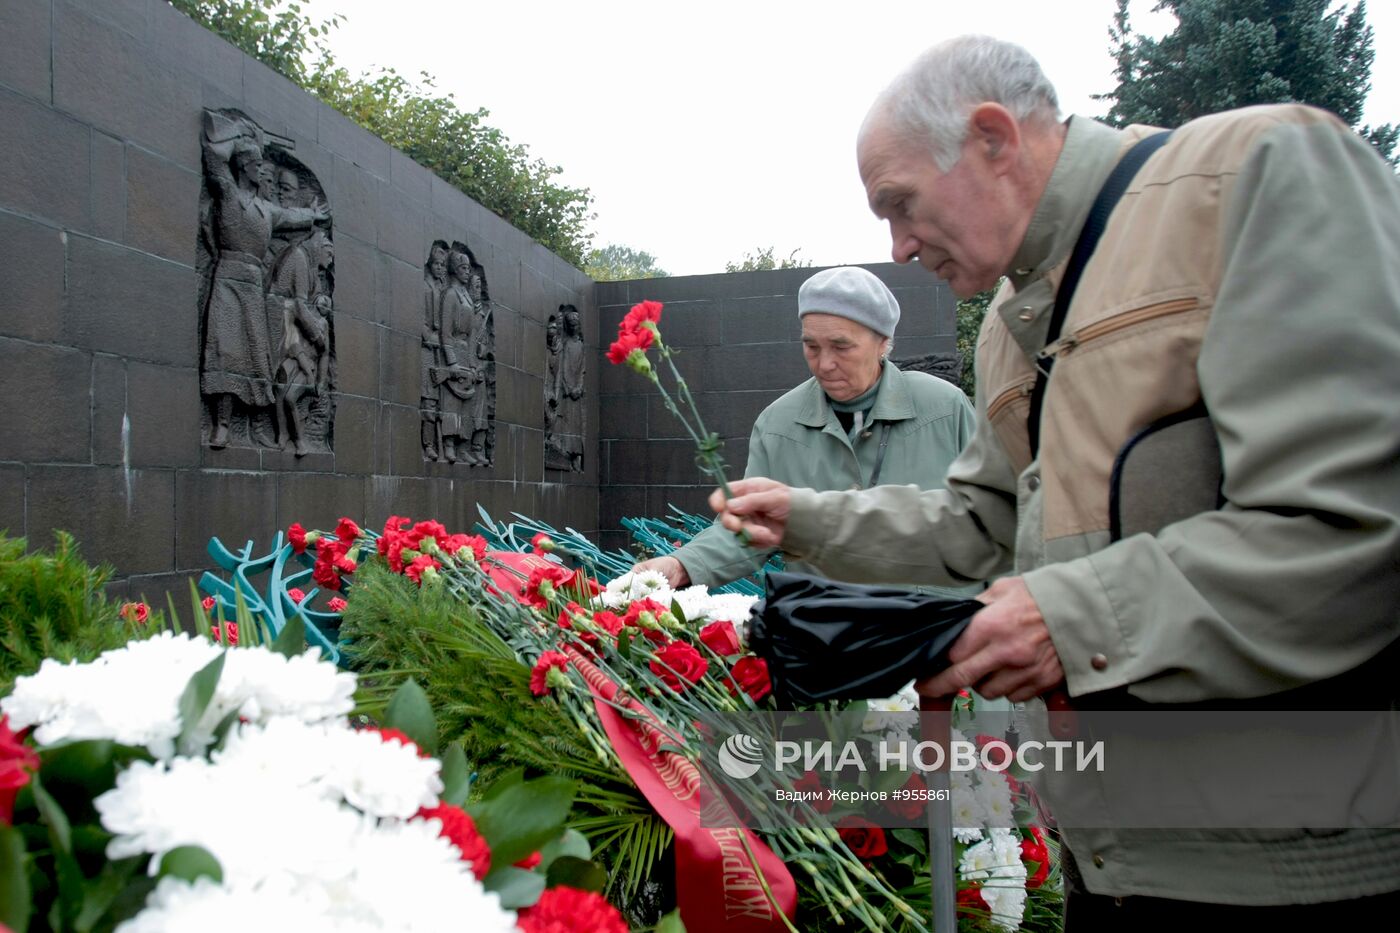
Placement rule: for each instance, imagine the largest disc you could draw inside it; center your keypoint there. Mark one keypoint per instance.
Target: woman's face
(843, 356)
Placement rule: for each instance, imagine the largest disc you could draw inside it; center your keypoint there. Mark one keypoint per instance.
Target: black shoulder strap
(1094, 226)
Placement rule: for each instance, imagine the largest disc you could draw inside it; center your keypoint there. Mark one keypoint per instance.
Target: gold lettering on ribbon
(743, 892)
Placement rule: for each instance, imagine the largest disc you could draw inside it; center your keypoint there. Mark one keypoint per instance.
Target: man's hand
(669, 567)
(759, 506)
(1005, 651)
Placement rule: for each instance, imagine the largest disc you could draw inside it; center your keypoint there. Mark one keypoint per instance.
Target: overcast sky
(705, 130)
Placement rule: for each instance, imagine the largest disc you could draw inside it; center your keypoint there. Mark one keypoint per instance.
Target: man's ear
(995, 134)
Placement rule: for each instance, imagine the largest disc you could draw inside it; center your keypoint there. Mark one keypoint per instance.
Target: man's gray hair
(931, 100)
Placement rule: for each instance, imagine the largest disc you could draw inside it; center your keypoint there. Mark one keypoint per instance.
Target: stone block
(692, 499)
(12, 500)
(412, 180)
(503, 278)
(160, 590)
(356, 267)
(108, 78)
(27, 65)
(449, 203)
(663, 462)
(31, 279)
(45, 171)
(403, 228)
(687, 324)
(130, 16)
(618, 502)
(163, 409)
(126, 302)
(234, 507)
(108, 194)
(405, 307)
(407, 496)
(519, 397)
(533, 351)
(122, 517)
(625, 416)
(401, 439)
(732, 414)
(354, 194)
(760, 320)
(318, 500)
(508, 330)
(356, 434)
(536, 295)
(46, 416)
(230, 458)
(352, 142)
(277, 103)
(162, 206)
(194, 50)
(400, 368)
(765, 366)
(111, 426)
(357, 357)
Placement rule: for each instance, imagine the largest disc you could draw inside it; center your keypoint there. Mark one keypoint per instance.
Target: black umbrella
(825, 640)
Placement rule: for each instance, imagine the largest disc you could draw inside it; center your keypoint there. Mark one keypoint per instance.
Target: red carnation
(530, 862)
(721, 638)
(862, 837)
(914, 805)
(642, 313)
(811, 782)
(347, 531)
(427, 529)
(970, 903)
(325, 576)
(393, 528)
(679, 665)
(421, 565)
(569, 910)
(608, 622)
(17, 761)
(539, 675)
(752, 676)
(635, 610)
(297, 535)
(1035, 850)
(459, 829)
(626, 344)
(474, 543)
(567, 615)
(135, 612)
(542, 543)
(337, 604)
(208, 603)
(537, 593)
(296, 595)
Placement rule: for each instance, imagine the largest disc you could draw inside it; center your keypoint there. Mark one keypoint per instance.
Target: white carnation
(694, 602)
(730, 607)
(177, 905)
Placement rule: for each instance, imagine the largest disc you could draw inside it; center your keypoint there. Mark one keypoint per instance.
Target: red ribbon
(717, 887)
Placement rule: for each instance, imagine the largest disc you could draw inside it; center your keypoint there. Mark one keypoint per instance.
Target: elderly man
(859, 421)
(1201, 501)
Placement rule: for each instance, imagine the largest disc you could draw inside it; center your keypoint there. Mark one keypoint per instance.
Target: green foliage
(477, 159)
(480, 694)
(52, 606)
(971, 311)
(617, 263)
(762, 260)
(280, 36)
(1233, 53)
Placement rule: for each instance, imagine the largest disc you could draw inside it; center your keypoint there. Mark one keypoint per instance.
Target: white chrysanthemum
(382, 778)
(1004, 878)
(893, 713)
(209, 907)
(427, 878)
(967, 809)
(649, 584)
(977, 861)
(694, 602)
(130, 694)
(994, 797)
(261, 684)
(294, 831)
(730, 607)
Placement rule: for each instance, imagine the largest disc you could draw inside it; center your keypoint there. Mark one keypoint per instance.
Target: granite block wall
(101, 103)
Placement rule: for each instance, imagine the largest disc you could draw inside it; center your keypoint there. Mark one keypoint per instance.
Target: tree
(761, 260)
(970, 313)
(617, 263)
(477, 159)
(1233, 53)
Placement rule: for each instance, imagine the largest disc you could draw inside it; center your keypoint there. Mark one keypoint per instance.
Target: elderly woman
(859, 421)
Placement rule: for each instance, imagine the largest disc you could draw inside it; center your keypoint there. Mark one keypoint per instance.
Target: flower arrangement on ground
(174, 784)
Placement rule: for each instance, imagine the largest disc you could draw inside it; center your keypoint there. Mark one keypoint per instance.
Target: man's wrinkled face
(955, 223)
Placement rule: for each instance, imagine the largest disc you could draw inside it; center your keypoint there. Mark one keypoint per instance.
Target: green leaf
(15, 905)
(572, 843)
(624, 644)
(195, 700)
(411, 713)
(516, 887)
(189, 863)
(913, 839)
(86, 766)
(671, 923)
(59, 829)
(569, 872)
(456, 775)
(291, 641)
(115, 878)
(503, 783)
(524, 817)
(677, 611)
